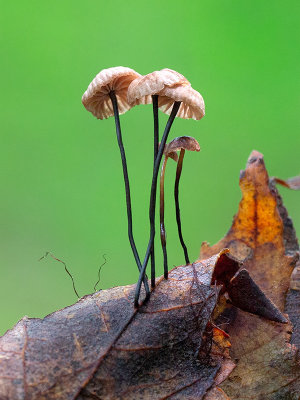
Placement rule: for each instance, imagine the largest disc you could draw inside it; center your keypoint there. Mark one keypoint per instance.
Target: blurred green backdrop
(61, 178)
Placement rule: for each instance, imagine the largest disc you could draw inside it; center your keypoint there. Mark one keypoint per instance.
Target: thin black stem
(176, 195)
(66, 269)
(127, 187)
(162, 216)
(153, 197)
(99, 272)
(156, 126)
(156, 140)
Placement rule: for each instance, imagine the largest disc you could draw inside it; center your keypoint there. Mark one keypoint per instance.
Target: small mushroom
(145, 90)
(106, 96)
(181, 144)
(174, 156)
(190, 102)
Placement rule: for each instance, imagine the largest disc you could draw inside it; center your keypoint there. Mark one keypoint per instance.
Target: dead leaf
(216, 394)
(103, 348)
(263, 237)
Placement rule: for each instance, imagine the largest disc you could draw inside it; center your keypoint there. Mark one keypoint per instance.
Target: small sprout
(99, 271)
(106, 96)
(66, 269)
(145, 90)
(185, 102)
(181, 144)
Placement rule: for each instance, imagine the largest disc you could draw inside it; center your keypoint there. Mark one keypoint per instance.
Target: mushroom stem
(156, 144)
(114, 101)
(153, 197)
(162, 217)
(176, 195)
(156, 127)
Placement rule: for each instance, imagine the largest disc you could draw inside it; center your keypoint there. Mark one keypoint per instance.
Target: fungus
(171, 100)
(181, 144)
(106, 96)
(192, 103)
(168, 154)
(145, 90)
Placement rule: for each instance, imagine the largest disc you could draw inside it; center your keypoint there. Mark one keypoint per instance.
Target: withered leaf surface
(103, 348)
(216, 394)
(262, 236)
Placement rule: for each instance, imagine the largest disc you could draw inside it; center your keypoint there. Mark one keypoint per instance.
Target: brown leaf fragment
(103, 348)
(291, 183)
(246, 295)
(221, 341)
(292, 307)
(216, 394)
(263, 238)
(227, 367)
(258, 227)
(160, 347)
(57, 355)
(292, 304)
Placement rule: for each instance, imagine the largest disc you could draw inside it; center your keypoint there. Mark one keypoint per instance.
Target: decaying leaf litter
(262, 236)
(215, 329)
(102, 347)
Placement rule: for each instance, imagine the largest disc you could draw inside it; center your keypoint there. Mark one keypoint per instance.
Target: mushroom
(171, 100)
(145, 90)
(181, 144)
(168, 154)
(106, 96)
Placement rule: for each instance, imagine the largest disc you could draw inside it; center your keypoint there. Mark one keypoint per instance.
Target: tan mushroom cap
(183, 143)
(141, 90)
(192, 103)
(96, 98)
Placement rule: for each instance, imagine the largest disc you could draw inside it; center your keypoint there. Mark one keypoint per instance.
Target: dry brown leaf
(263, 238)
(103, 348)
(216, 394)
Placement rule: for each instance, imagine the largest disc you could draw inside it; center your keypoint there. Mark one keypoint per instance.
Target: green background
(61, 177)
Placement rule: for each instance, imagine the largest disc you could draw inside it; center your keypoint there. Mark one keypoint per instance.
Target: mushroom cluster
(113, 92)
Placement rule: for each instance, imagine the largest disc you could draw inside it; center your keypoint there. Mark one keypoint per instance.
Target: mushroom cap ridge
(96, 98)
(192, 103)
(141, 90)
